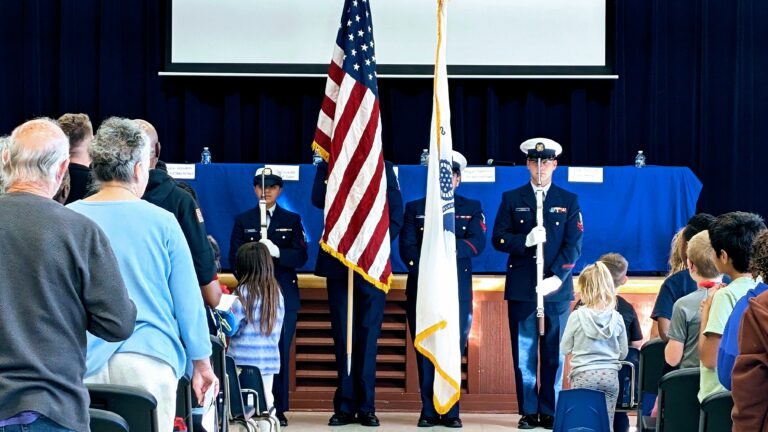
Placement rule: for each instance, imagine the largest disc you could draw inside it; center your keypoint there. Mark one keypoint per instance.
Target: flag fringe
(339, 256)
(429, 331)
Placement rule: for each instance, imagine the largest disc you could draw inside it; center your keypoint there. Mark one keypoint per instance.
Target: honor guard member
(515, 232)
(354, 400)
(287, 245)
(470, 242)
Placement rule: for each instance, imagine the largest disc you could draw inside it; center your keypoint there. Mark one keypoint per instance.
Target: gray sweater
(596, 339)
(58, 278)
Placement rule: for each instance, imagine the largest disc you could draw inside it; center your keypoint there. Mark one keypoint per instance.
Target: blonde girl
(595, 336)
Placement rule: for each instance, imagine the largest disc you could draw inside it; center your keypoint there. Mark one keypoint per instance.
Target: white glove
(549, 285)
(273, 249)
(536, 236)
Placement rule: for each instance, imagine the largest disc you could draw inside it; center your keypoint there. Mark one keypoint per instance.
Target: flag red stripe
(329, 107)
(375, 243)
(336, 73)
(371, 192)
(350, 112)
(322, 139)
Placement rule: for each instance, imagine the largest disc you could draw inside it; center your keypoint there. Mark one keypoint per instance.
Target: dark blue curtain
(691, 92)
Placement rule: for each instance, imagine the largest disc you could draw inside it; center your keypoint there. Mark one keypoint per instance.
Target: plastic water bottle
(640, 160)
(316, 158)
(205, 156)
(424, 157)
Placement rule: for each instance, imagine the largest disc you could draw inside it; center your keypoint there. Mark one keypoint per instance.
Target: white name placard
(478, 175)
(287, 172)
(181, 171)
(585, 175)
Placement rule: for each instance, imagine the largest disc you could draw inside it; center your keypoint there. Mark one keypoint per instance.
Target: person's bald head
(154, 141)
(34, 154)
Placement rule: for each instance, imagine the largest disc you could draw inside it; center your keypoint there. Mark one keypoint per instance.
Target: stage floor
(399, 421)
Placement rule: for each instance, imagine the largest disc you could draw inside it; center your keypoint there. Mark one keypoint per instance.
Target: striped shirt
(249, 347)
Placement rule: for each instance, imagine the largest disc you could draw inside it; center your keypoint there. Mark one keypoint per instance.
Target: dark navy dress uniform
(470, 242)
(562, 220)
(355, 393)
(287, 233)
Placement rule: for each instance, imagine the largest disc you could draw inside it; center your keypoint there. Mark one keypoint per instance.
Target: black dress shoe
(546, 421)
(453, 422)
(528, 422)
(368, 419)
(341, 419)
(281, 418)
(425, 421)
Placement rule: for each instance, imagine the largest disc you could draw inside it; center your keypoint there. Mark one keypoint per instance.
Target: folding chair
(581, 410)
(239, 413)
(184, 402)
(716, 413)
(105, 421)
(250, 379)
(678, 401)
(138, 407)
(652, 367)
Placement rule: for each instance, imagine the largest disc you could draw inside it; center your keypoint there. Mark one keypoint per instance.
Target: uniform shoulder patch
(580, 223)
(199, 215)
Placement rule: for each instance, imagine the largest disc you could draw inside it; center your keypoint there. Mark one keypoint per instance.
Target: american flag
(348, 137)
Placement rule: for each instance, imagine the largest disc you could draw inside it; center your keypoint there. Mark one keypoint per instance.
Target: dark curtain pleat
(691, 92)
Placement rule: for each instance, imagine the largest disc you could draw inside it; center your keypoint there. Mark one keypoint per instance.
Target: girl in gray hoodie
(595, 336)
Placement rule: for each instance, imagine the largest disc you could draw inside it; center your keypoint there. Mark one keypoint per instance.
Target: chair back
(250, 378)
(137, 406)
(237, 408)
(651, 369)
(105, 421)
(184, 402)
(716, 413)
(218, 362)
(627, 399)
(581, 410)
(678, 401)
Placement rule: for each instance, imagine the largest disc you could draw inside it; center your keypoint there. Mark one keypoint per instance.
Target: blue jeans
(42, 424)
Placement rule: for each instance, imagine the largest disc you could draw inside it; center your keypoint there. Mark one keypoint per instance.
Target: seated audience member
(163, 191)
(729, 347)
(731, 236)
(678, 283)
(750, 370)
(80, 133)
(156, 265)
(683, 345)
(618, 266)
(59, 279)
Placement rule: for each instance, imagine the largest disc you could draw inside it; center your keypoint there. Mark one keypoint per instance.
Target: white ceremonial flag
(437, 304)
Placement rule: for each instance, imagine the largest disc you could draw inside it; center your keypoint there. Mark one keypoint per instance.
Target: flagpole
(350, 298)
(539, 253)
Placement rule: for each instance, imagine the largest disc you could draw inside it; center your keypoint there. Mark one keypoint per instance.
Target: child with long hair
(258, 315)
(595, 336)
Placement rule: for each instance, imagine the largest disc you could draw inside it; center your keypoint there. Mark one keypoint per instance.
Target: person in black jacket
(163, 191)
(80, 133)
(354, 399)
(470, 242)
(288, 246)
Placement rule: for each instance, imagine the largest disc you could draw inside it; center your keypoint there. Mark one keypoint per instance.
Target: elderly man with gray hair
(59, 278)
(156, 265)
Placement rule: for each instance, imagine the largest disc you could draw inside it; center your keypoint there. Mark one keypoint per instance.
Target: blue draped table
(634, 211)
